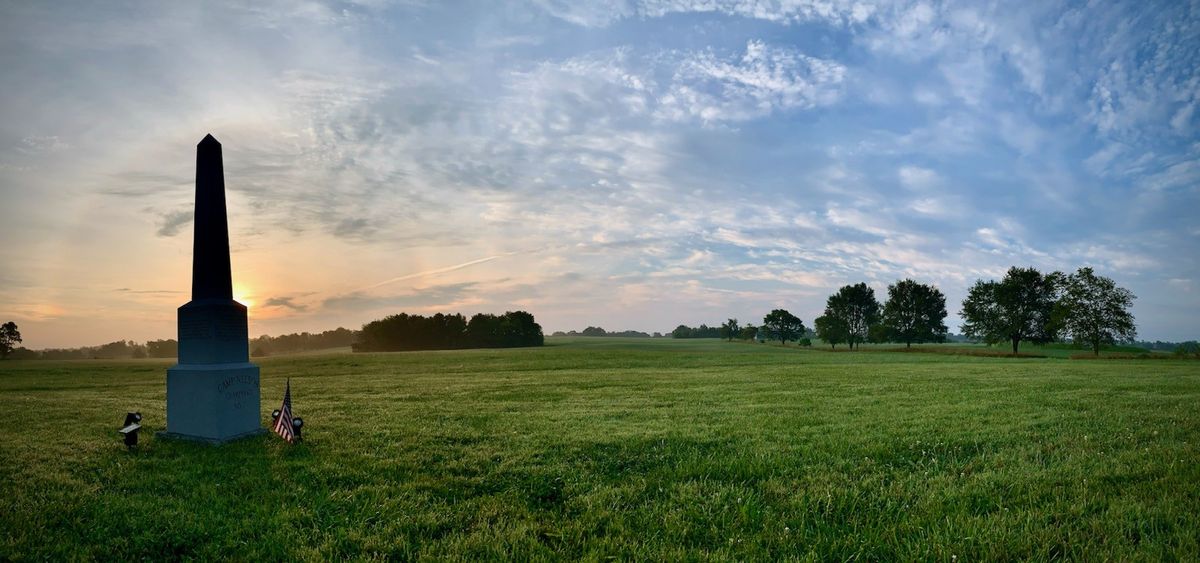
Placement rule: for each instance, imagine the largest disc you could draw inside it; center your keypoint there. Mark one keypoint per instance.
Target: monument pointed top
(210, 245)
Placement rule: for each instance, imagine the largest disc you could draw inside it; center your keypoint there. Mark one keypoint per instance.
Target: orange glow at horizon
(243, 295)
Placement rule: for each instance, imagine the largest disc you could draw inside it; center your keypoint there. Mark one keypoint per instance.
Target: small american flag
(283, 424)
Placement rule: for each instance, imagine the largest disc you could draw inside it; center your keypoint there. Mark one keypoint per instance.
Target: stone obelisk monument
(212, 393)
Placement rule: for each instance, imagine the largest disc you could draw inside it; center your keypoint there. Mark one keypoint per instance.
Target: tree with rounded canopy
(831, 329)
(9, 338)
(915, 312)
(855, 308)
(1019, 307)
(1094, 310)
(783, 325)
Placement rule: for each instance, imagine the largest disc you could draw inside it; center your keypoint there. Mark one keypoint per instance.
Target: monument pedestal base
(213, 403)
(186, 438)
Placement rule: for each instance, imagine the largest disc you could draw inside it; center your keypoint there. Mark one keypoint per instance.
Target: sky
(630, 164)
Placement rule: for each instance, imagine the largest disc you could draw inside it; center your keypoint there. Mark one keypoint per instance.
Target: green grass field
(633, 449)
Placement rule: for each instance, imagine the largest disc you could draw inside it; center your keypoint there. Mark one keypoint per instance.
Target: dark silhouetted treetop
(297, 342)
(1019, 307)
(597, 331)
(9, 338)
(832, 330)
(702, 331)
(855, 309)
(730, 329)
(782, 326)
(168, 348)
(447, 332)
(1093, 310)
(914, 312)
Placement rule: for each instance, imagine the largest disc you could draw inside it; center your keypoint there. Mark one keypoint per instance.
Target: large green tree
(854, 307)
(783, 325)
(9, 338)
(1019, 307)
(1094, 310)
(914, 312)
(832, 330)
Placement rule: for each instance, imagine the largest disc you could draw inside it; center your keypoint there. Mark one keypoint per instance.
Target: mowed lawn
(625, 448)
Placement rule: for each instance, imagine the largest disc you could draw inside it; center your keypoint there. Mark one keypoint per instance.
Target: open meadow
(634, 449)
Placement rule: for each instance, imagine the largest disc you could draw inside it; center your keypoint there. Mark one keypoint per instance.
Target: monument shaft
(213, 392)
(211, 277)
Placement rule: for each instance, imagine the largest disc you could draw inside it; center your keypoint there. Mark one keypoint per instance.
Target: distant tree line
(1024, 306)
(301, 342)
(1189, 349)
(597, 331)
(702, 331)
(118, 350)
(449, 332)
(169, 348)
(1159, 345)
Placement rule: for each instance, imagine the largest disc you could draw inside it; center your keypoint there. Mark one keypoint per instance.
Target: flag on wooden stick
(283, 423)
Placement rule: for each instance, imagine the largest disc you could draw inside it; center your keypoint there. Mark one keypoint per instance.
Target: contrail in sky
(433, 272)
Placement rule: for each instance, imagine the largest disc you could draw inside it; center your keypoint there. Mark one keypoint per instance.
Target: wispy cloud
(42, 144)
(443, 298)
(148, 291)
(286, 302)
(172, 222)
(599, 14)
(764, 80)
(669, 160)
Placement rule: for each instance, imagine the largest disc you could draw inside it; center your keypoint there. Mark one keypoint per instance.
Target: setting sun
(243, 295)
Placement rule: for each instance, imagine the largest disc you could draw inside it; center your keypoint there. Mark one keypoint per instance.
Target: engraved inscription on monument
(239, 390)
